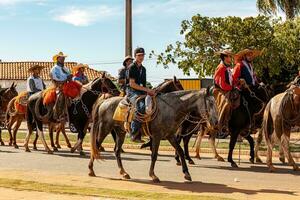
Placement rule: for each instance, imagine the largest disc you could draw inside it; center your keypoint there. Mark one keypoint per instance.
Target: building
(17, 72)
(195, 84)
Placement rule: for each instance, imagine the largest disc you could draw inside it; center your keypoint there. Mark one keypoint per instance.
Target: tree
(204, 36)
(291, 8)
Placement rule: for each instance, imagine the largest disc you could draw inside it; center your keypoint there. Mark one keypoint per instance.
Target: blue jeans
(140, 106)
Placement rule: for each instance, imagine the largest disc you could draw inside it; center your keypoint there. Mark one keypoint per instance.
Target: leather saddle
(124, 112)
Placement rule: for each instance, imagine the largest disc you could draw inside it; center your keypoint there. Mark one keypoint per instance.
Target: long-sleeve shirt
(35, 84)
(223, 77)
(80, 77)
(60, 73)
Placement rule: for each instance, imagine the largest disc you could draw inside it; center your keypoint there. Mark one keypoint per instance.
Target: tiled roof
(19, 70)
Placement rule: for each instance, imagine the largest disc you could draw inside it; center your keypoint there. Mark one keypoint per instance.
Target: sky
(93, 31)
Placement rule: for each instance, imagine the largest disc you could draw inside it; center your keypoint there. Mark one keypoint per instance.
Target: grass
(222, 144)
(17, 184)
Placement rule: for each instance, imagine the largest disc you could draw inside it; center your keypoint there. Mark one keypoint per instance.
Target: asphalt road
(209, 176)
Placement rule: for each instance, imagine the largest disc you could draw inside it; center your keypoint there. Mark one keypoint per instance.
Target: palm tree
(291, 8)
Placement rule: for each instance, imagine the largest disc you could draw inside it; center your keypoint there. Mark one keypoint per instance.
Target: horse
(172, 108)
(6, 94)
(78, 110)
(247, 117)
(280, 116)
(14, 117)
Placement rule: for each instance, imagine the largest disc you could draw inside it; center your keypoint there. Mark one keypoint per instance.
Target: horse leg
(179, 150)
(41, 134)
(198, 143)
(57, 138)
(28, 137)
(66, 137)
(35, 140)
(51, 128)
(257, 145)
(9, 127)
(212, 141)
(186, 141)
(281, 154)
(232, 143)
(16, 128)
(285, 143)
(251, 143)
(154, 153)
(119, 142)
(1, 141)
(178, 163)
(269, 143)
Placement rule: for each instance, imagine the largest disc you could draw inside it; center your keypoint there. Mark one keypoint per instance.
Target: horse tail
(267, 125)
(95, 153)
(10, 111)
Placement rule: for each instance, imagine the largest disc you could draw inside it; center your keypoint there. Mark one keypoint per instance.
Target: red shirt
(223, 77)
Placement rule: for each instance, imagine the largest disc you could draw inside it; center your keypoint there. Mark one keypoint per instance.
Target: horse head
(8, 94)
(169, 86)
(211, 109)
(104, 85)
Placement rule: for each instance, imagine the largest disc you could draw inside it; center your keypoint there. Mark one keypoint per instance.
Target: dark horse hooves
(16, 146)
(2, 143)
(101, 149)
(234, 165)
(92, 174)
(191, 162)
(251, 160)
(187, 177)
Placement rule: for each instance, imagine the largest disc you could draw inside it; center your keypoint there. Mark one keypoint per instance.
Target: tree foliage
(291, 8)
(204, 36)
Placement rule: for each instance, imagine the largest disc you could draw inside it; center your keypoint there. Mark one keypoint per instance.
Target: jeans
(140, 106)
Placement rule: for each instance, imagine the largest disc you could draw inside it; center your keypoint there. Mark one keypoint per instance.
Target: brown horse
(280, 116)
(6, 94)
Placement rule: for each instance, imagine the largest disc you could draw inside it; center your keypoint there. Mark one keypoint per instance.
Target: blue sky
(92, 31)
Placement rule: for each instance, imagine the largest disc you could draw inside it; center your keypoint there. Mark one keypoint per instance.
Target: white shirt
(38, 83)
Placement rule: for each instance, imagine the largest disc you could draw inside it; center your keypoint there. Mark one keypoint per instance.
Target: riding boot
(134, 134)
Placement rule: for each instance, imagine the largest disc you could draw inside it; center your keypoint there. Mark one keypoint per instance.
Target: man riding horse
(123, 74)
(34, 82)
(223, 87)
(135, 88)
(78, 74)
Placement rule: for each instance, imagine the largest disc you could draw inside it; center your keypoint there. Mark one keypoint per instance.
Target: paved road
(209, 176)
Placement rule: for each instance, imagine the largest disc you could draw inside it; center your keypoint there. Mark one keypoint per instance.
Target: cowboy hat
(33, 67)
(125, 60)
(225, 52)
(255, 53)
(60, 54)
(79, 66)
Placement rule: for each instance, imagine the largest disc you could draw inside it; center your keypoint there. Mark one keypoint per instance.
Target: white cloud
(84, 16)
(14, 2)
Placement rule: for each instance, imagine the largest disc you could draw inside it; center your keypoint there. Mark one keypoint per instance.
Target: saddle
(21, 102)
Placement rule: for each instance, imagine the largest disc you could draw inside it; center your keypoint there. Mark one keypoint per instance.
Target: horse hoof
(58, 146)
(126, 176)
(282, 160)
(81, 153)
(296, 168)
(178, 163)
(155, 180)
(35, 148)
(258, 160)
(122, 151)
(198, 157)
(101, 149)
(9, 144)
(2, 143)
(251, 160)
(55, 149)
(72, 150)
(16, 146)
(191, 162)
(69, 146)
(187, 177)
(220, 159)
(27, 150)
(92, 174)
(50, 152)
(234, 165)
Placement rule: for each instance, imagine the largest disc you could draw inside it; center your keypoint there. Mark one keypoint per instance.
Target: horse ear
(208, 91)
(175, 79)
(12, 85)
(104, 75)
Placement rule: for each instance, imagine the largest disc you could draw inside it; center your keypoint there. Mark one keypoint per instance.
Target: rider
(223, 87)
(78, 73)
(34, 81)
(137, 87)
(244, 71)
(123, 73)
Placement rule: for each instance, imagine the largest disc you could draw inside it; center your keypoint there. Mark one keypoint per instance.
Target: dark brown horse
(6, 94)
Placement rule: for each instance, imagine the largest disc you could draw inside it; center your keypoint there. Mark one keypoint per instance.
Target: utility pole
(128, 31)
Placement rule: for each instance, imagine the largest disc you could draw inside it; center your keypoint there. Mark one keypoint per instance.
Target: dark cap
(139, 50)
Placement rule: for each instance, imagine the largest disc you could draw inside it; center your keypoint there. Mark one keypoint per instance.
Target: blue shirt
(59, 73)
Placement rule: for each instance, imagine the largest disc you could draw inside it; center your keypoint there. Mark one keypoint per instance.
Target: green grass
(222, 144)
(17, 184)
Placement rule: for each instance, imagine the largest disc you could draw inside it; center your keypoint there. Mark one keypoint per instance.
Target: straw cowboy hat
(125, 60)
(79, 66)
(225, 52)
(60, 54)
(255, 53)
(33, 67)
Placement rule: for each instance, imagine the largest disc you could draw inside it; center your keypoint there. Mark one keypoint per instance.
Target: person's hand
(150, 92)
(242, 82)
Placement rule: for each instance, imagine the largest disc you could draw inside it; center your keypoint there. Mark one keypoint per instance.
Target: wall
(21, 84)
